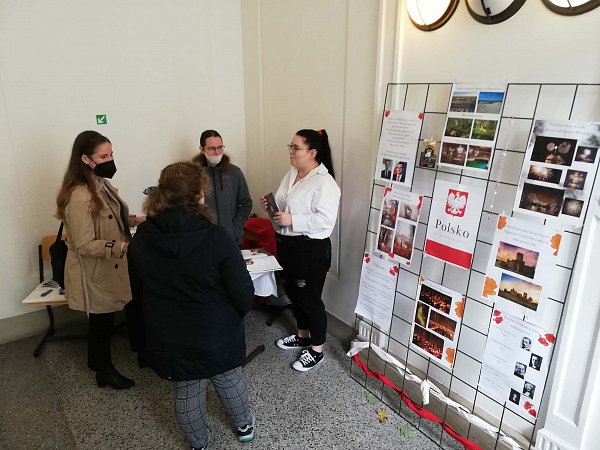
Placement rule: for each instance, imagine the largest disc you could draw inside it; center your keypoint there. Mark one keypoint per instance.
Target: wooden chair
(41, 297)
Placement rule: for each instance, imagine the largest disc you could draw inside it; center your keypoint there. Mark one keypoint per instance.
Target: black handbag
(58, 257)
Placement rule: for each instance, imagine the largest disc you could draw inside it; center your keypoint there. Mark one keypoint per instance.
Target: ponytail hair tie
(320, 132)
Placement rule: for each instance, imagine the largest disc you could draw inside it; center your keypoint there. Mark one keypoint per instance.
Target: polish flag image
(456, 202)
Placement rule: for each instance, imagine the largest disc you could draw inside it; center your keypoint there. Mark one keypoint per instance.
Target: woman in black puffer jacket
(196, 291)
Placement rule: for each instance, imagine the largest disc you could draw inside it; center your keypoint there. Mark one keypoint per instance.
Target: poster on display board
(398, 221)
(515, 363)
(453, 223)
(472, 126)
(377, 291)
(436, 321)
(398, 147)
(559, 170)
(521, 267)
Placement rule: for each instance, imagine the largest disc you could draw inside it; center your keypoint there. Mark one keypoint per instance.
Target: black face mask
(106, 169)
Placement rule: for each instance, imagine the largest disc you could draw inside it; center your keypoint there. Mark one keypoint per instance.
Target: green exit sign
(101, 119)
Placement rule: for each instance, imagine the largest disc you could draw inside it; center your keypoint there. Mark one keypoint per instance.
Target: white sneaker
(246, 433)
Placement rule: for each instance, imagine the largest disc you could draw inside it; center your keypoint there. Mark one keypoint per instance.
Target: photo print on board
(560, 166)
(471, 127)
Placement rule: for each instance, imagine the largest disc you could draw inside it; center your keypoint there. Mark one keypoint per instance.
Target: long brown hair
(78, 173)
(180, 185)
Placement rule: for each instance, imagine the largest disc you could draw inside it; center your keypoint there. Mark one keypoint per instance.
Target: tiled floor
(52, 402)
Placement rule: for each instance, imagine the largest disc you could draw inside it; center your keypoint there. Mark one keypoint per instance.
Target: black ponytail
(319, 140)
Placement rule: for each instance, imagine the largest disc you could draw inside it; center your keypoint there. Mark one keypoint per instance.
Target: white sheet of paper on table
(261, 264)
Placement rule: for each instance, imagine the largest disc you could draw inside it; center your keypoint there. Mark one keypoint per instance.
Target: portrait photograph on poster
(511, 372)
(545, 174)
(479, 157)
(428, 153)
(437, 319)
(398, 145)
(559, 170)
(522, 261)
(471, 127)
(398, 219)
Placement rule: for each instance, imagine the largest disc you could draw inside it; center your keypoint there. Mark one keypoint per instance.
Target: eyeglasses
(294, 148)
(214, 149)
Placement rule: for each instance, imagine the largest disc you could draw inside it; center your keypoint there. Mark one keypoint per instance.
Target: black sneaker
(293, 342)
(308, 359)
(246, 433)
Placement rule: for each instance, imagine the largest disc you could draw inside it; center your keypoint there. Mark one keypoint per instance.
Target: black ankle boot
(114, 379)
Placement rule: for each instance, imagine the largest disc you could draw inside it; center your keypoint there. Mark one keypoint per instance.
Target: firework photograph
(553, 150)
(575, 179)
(516, 259)
(545, 174)
(572, 207)
(541, 199)
(586, 154)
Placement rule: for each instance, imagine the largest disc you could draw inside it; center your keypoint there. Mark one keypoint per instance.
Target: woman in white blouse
(308, 199)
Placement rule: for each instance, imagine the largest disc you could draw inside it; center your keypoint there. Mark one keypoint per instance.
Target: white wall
(535, 45)
(312, 64)
(162, 72)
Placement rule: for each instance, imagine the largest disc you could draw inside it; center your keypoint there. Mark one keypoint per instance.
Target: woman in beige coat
(97, 225)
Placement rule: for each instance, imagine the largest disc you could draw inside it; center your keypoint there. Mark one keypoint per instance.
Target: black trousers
(305, 264)
(101, 329)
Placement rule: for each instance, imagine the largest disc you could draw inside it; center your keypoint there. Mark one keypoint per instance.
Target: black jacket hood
(176, 232)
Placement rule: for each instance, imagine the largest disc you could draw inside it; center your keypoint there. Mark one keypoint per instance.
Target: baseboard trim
(340, 329)
(35, 323)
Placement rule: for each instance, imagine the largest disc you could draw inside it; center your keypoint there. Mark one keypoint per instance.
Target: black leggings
(305, 264)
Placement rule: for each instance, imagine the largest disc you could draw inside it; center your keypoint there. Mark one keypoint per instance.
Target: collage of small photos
(436, 324)
(398, 222)
(471, 127)
(559, 170)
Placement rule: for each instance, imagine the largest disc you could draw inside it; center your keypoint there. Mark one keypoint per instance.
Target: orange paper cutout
(555, 243)
(489, 288)
(450, 355)
(501, 222)
(460, 308)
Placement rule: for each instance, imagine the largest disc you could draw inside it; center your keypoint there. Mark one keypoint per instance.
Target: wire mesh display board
(523, 103)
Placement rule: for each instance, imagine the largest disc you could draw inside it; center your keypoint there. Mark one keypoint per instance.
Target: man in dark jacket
(230, 199)
(196, 291)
